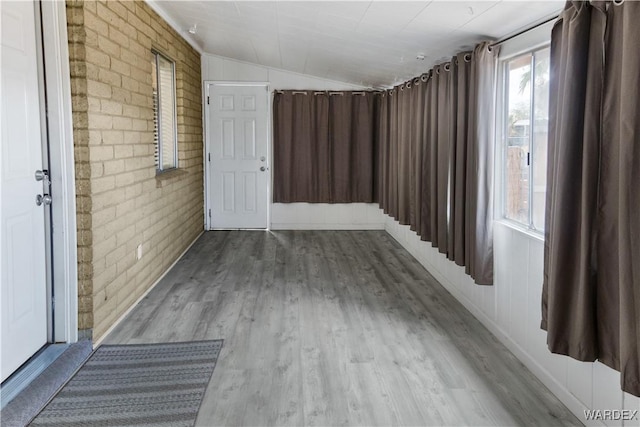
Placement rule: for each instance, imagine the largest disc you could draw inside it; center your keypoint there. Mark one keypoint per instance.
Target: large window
(164, 110)
(525, 128)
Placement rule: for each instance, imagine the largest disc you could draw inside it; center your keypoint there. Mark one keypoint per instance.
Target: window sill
(536, 235)
(169, 175)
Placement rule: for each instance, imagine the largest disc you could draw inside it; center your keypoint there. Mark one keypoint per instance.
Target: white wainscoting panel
(325, 216)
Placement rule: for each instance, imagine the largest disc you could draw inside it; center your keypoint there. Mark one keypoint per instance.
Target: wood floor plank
(339, 328)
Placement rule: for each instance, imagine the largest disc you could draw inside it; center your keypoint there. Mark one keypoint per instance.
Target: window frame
(525, 44)
(159, 166)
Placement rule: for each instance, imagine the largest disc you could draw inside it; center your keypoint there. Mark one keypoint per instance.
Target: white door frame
(207, 145)
(62, 166)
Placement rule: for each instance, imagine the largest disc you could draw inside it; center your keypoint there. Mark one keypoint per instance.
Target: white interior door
(238, 147)
(22, 222)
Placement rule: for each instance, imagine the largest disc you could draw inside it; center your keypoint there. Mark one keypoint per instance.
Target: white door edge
(207, 85)
(62, 165)
(24, 287)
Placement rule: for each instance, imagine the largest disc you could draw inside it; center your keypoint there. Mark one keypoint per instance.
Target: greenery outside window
(525, 133)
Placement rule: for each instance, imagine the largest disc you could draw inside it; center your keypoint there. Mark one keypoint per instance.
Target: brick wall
(121, 202)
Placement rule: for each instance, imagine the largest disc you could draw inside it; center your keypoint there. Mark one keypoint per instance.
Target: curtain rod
(524, 31)
(302, 92)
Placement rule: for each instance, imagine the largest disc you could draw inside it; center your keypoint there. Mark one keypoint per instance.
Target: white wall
(324, 216)
(224, 69)
(296, 215)
(510, 309)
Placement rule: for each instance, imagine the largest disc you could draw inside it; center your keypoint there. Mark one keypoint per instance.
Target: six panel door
(238, 143)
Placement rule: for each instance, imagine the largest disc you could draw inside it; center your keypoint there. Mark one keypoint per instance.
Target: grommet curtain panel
(591, 289)
(435, 157)
(324, 147)
(478, 193)
(423, 150)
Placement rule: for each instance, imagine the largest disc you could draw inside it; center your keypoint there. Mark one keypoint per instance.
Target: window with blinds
(164, 112)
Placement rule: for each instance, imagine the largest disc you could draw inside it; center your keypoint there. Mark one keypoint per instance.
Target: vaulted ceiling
(368, 43)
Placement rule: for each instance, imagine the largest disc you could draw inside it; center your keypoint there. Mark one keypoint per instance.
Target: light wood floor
(333, 328)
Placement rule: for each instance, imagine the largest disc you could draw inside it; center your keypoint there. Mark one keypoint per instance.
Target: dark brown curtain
(324, 147)
(431, 145)
(382, 107)
(306, 150)
(435, 157)
(459, 156)
(418, 88)
(403, 95)
(479, 194)
(423, 150)
(442, 111)
(427, 205)
(401, 129)
(591, 290)
(392, 196)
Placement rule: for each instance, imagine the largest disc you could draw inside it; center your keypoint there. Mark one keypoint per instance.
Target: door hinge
(528, 159)
(209, 213)
(209, 156)
(53, 303)
(207, 100)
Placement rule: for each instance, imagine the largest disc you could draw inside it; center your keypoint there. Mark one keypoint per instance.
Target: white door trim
(207, 84)
(62, 165)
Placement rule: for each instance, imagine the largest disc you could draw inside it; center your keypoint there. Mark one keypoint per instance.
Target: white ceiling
(368, 43)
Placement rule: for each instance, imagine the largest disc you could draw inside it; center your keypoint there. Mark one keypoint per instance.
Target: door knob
(42, 175)
(262, 168)
(43, 199)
